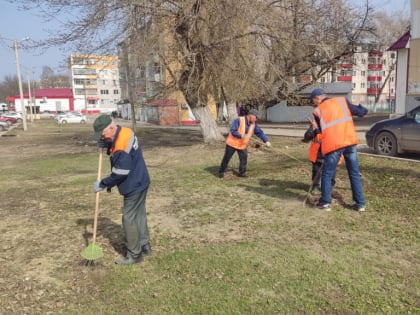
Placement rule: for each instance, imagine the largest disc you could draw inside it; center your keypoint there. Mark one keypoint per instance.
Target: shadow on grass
(107, 229)
(280, 188)
(169, 137)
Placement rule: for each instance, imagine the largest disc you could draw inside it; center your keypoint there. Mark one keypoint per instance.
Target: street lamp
(15, 46)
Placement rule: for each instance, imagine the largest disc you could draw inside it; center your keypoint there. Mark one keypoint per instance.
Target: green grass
(231, 246)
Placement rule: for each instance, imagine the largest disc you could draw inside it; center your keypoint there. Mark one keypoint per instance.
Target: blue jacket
(128, 168)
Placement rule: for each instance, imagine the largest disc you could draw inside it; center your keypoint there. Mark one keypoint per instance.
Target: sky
(16, 25)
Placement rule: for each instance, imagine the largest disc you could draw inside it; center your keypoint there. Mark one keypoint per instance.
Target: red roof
(401, 42)
(50, 93)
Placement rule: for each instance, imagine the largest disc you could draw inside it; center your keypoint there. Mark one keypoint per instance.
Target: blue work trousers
(328, 172)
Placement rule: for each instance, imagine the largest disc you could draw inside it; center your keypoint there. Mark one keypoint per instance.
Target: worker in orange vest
(315, 156)
(240, 133)
(313, 136)
(333, 117)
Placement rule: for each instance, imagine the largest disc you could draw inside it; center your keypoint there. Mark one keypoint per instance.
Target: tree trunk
(209, 129)
(232, 112)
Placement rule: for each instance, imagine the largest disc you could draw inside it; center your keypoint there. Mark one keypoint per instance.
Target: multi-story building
(372, 75)
(95, 83)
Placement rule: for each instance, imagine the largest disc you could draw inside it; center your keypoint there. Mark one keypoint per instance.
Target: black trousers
(316, 174)
(243, 159)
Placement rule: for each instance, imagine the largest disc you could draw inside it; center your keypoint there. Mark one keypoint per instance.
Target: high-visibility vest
(336, 123)
(125, 141)
(314, 148)
(241, 143)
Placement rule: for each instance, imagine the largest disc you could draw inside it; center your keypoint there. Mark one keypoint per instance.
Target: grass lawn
(231, 246)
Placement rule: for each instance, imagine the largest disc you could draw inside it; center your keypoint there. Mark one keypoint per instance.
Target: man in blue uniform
(129, 173)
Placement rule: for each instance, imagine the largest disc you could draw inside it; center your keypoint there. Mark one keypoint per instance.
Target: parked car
(4, 126)
(396, 135)
(8, 119)
(46, 114)
(59, 114)
(17, 116)
(72, 118)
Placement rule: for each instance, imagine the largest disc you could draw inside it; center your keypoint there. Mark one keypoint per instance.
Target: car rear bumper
(369, 140)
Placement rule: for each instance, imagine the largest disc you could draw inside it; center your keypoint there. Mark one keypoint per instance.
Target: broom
(93, 251)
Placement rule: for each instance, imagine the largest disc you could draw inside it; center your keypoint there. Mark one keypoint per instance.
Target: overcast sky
(17, 25)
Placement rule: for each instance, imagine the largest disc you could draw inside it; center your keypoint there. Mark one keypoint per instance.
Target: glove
(97, 187)
(104, 144)
(268, 144)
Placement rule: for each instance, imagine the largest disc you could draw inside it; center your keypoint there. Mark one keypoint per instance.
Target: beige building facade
(95, 83)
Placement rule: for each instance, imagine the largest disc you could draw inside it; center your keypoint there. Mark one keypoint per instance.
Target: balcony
(375, 67)
(374, 78)
(346, 66)
(344, 78)
(374, 91)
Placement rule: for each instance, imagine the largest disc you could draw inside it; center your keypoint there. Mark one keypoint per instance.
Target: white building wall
(401, 81)
(50, 104)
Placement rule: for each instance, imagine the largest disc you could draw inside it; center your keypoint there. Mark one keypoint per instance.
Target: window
(77, 71)
(116, 92)
(104, 92)
(362, 85)
(363, 73)
(84, 81)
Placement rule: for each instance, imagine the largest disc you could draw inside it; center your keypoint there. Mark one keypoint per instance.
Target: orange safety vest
(125, 141)
(240, 143)
(336, 124)
(314, 148)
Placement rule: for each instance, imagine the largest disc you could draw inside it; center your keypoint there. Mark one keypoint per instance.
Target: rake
(93, 251)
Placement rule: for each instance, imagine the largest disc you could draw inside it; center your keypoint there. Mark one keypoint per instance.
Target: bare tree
(396, 26)
(225, 49)
(10, 87)
(51, 80)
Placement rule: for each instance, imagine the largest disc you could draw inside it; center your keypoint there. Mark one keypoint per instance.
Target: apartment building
(95, 83)
(372, 75)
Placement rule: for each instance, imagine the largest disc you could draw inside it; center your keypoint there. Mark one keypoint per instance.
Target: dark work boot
(128, 260)
(146, 249)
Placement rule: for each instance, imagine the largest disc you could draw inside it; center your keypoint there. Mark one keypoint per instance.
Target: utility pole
(30, 97)
(23, 109)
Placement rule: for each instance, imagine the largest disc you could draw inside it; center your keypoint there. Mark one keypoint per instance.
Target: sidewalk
(275, 129)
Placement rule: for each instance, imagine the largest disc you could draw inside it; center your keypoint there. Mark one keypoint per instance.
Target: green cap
(100, 124)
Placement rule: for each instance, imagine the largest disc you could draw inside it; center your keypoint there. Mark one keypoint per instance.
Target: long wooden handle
(95, 220)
